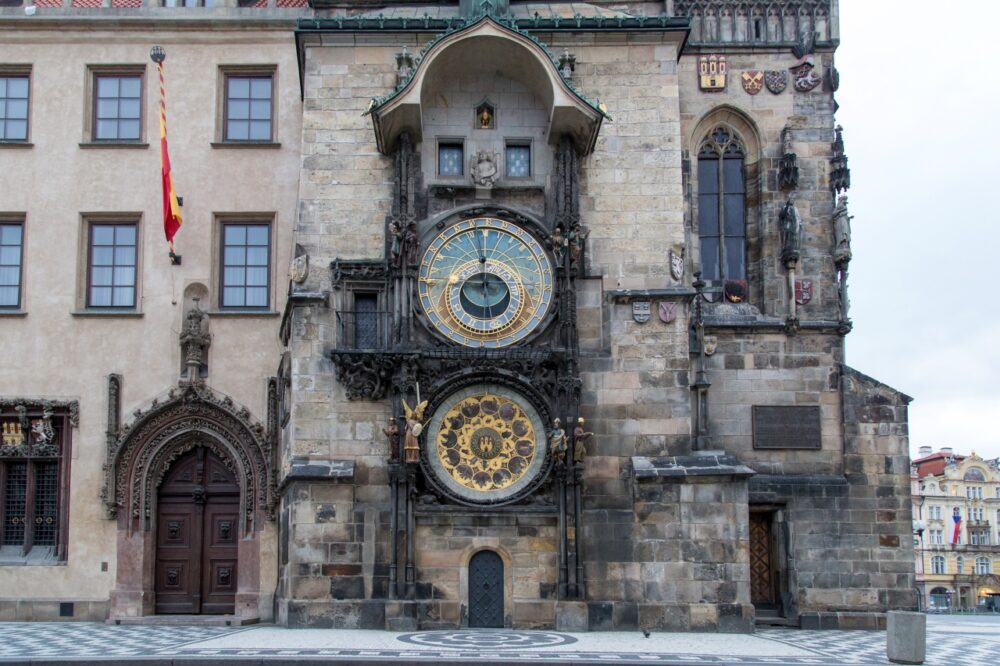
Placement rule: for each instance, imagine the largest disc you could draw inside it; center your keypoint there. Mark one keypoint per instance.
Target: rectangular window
(246, 265)
(14, 108)
(111, 270)
(248, 107)
(366, 321)
(117, 107)
(451, 159)
(518, 160)
(11, 235)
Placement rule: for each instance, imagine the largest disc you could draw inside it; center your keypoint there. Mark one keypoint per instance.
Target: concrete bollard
(906, 637)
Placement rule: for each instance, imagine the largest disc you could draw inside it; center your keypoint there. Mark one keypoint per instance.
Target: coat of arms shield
(806, 76)
(803, 291)
(640, 311)
(676, 265)
(752, 81)
(776, 81)
(667, 311)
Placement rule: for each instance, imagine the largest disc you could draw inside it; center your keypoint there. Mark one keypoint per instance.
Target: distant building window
(246, 265)
(249, 100)
(117, 107)
(188, 3)
(975, 474)
(937, 564)
(722, 206)
(13, 108)
(518, 161)
(936, 537)
(959, 565)
(112, 266)
(983, 565)
(11, 241)
(451, 159)
(935, 513)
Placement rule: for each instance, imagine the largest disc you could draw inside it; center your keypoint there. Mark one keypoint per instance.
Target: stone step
(196, 620)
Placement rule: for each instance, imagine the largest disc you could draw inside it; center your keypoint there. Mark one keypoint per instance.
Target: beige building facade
(561, 344)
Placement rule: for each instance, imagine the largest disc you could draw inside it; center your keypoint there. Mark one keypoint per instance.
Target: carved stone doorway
(486, 590)
(198, 508)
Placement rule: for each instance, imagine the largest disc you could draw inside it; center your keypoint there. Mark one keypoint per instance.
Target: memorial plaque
(786, 427)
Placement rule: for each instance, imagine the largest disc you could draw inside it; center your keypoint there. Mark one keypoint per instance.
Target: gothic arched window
(722, 206)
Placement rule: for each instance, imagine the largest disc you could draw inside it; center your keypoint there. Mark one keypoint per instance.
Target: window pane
(708, 176)
(732, 172)
(15, 503)
(234, 277)
(708, 215)
(257, 277)
(9, 296)
(46, 520)
(107, 108)
(107, 86)
(129, 108)
(236, 234)
(123, 297)
(256, 297)
(124, 276)
(256, 256)
(125, 234)
(128, 129)
(9, 275)
(237, 130)
(10, 234)
(734, 215)
(260, 88)
(17, 87)
(10, 255)
(735, 268)
(101, 276)
(125, 256)
(257, 235)
(103, 256)
(233, 297)
(103, 235)
(260, 110)
(239, 87)
(239, 110)
(235, 256)
(129, 87)
(260, 130)
(518, 161)
(710, 258)
(106, 129)
(16, 130)
(450, 160)
(100, 297)
(17, 108)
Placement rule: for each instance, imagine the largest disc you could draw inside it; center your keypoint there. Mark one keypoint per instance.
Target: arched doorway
(198, 506)
(486, 590)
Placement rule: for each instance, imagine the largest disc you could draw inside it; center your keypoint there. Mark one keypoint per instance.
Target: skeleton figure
(558, 245)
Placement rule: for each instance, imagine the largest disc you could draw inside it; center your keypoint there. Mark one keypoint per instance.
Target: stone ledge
(842, 620)
(678, 468)
(667, 293)
(303, 469)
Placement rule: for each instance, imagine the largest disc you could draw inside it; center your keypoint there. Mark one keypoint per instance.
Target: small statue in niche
(411, 243)
(484, 169)
(841, 232)
(414, 426)
(194, 340)
(557, 441)
(567, 64)
(395, 242)
(485, 117)
(559, 243)
(404, 66)
(788, 170)
(577, 237)
(392, 434)
(580, 438)
(791, 231)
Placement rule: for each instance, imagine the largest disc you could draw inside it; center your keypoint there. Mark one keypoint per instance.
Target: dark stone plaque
(781, 427)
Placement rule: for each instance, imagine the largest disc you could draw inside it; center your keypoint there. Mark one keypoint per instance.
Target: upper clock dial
(485, 283)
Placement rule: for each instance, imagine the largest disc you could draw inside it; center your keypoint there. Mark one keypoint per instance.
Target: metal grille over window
(118, 104)
(365, 321)
(10, 265)
(112, 266)
(246, 259)
(248, 108)
(15, 503)
(450, 159)
(518, 161)
(13, 108)
(721, 206)
(46, 503)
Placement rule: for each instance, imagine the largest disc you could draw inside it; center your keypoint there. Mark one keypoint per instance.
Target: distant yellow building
(956, 512)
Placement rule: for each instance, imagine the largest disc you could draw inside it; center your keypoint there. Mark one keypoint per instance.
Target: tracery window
(722, 205)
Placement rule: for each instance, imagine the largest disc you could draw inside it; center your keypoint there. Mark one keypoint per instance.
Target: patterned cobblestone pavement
(952, 641)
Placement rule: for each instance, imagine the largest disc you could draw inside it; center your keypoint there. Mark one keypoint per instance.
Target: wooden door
(486, 590)
(761, 558)
(196, 536)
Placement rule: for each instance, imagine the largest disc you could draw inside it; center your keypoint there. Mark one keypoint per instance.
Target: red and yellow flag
(172, 219)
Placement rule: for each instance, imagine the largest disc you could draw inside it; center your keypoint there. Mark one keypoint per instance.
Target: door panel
(761, 584)
(178, 547)
(486, 590)
(219, 556)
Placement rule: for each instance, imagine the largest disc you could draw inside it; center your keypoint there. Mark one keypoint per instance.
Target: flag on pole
(172, 219)
(957, 534)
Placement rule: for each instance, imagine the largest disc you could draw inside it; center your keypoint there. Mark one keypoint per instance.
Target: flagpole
(172, 219)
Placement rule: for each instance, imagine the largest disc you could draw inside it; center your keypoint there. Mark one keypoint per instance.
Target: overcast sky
(919, 104)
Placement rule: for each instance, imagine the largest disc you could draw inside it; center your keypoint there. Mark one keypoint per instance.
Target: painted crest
(753, 81)
(711, 342)
(667, 311)
(640, 311)
(776, 81)
(803, 291)
(677, 265)
(712, 72)
(735, 291)
(805, 74)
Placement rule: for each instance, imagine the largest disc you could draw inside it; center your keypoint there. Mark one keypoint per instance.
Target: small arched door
(486, 590)
(197, 523)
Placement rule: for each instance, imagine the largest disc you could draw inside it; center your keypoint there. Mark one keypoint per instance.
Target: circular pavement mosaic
(487, 639)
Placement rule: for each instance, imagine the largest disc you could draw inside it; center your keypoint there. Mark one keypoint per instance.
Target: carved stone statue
(841, 232)
(567, 64)
(788, 170)
(559, 243)
(194, 340)
(557, 441)
(42, 428)
(577, 239)
(404, 66)
(299, 270)
(414, 426)
(484, 169)
(411, 243)
(392, 434)
(791, 232)
(395, 242)
(580, 438)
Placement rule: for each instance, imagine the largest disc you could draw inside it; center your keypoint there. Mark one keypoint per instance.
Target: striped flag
(957, 534)
(172, 219)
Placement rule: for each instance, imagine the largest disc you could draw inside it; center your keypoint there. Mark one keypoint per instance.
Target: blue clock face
(485, 283)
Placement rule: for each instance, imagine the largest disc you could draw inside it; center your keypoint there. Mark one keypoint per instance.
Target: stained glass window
(721, 206)
(518, 161)
(451, 159)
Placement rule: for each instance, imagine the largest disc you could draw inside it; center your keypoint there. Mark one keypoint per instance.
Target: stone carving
(557, 441)
(195, 340)
(114, 407)
(484, 168)
(788, 170)
(752, 81)
(13, 433)
(42, 429)
(392, 434)
(840, 175)
(577, 242)
(360, 270)
(299, 270)
(364, 375)
(404, 66)
(833, 78)
(667, 311)
(841, 232)
(641, 311)
(805, 75)
(559, 244)
(712, 72)
(803, 291)
(580, 439)
(676, 264)
(411, 244)
(791, 232)
(753, 22)
(396, 233)
(776, 81)
(567, 64)
(36, 437)
(414, 426)
(711, 343)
